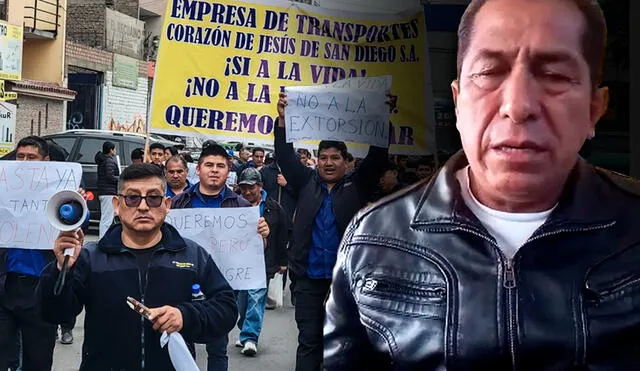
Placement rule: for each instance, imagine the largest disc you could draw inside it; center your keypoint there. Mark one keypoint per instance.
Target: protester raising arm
(294, 172)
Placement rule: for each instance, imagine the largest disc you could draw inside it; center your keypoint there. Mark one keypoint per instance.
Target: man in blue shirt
(176, 172)
(328, 197)
(19, 273)
(213, 192)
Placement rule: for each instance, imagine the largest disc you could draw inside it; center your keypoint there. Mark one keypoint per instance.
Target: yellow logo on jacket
(182, 265)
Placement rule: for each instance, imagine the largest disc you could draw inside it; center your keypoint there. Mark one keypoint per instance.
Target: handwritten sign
(26, 187)
(231, 236)
(348, 115)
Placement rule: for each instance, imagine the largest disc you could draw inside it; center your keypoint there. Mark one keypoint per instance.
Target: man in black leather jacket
(518, 255)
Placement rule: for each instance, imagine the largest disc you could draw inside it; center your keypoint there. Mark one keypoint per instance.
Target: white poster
(26, 187)
(231, 236)
(7, 127)
(348, 115)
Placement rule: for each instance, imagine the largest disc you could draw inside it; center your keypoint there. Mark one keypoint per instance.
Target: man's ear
(455, 90)
(116, 205)
(47, 158)
(599, 104)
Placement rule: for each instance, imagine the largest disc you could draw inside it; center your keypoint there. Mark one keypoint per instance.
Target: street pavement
(276, 349)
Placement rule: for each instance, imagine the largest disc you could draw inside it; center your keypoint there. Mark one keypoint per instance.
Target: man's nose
(520, 97)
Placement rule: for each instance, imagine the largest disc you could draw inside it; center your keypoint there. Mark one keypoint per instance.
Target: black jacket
(231, 199)
(275, 255)
(108, 173)
(421, 285)
(286, 196)
(106, 273)
(349, 195)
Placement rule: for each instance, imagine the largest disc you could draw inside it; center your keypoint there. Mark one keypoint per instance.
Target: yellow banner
(222, 64)
(11, 51)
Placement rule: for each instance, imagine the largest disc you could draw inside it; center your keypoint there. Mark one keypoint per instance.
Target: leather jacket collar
(442, 206)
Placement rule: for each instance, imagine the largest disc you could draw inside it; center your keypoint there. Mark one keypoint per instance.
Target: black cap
(250, 176)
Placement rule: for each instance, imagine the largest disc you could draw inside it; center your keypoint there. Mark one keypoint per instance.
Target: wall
(94, 59)
(43, 60)
(80, 29)
(124, 107)
(46, 111)
(15, 12)
(128, 7)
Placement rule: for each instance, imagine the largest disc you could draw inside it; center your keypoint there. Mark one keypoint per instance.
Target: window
(89, 147)
(128, 148)
(3, 10)
(64, 144)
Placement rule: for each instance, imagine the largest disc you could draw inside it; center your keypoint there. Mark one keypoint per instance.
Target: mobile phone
(138, 307)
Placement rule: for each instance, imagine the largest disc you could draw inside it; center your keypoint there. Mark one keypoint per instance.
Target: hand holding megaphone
(67, 247)
(67, 211)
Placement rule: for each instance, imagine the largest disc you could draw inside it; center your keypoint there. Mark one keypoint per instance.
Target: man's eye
(556, 77)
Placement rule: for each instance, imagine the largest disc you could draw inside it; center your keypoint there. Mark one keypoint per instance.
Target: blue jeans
(251, 306)
(217, 359)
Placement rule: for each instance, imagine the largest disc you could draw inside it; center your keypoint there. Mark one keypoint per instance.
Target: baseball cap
(250, 176)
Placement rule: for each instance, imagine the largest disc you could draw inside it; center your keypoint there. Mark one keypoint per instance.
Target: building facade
(106, 65)
(32, 63)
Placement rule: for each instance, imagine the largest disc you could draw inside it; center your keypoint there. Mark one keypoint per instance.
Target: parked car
(82, 146)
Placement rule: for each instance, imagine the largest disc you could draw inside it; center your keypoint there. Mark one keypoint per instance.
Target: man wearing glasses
(212, 192)
(144, 258)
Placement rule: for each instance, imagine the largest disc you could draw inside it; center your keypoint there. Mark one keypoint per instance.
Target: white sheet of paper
(26, 187)
(349, 115)
(231, 236)
(181, 358)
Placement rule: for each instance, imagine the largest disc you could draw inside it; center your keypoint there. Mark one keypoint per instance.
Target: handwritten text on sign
(231, 236)
(26, 187)
(347, 115)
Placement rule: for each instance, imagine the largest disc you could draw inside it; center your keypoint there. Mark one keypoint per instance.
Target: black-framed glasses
(135, 200)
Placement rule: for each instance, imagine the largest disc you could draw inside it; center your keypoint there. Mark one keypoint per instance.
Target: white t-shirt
(511, 230)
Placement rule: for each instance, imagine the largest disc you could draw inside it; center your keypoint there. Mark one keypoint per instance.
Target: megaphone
(67, 211)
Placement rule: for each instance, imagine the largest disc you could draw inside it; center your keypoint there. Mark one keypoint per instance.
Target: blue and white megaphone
(67, 211)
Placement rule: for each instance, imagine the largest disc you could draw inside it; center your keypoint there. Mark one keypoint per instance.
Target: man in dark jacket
(517, 255)
(277, 187)
(144, 258)
(389, 181)
(212, 192)
(327, 200)
(108, 173)
(251, 303)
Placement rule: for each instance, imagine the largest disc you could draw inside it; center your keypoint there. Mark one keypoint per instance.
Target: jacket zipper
(143, 291)
(509, 284)
(385, 286)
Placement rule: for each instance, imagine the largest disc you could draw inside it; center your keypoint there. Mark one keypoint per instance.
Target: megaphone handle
(62, 278)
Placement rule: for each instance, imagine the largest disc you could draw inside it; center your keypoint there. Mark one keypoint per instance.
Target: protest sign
(237, 56)
(359, 116)
(231, 236)
(26, 187)
(371, 83)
